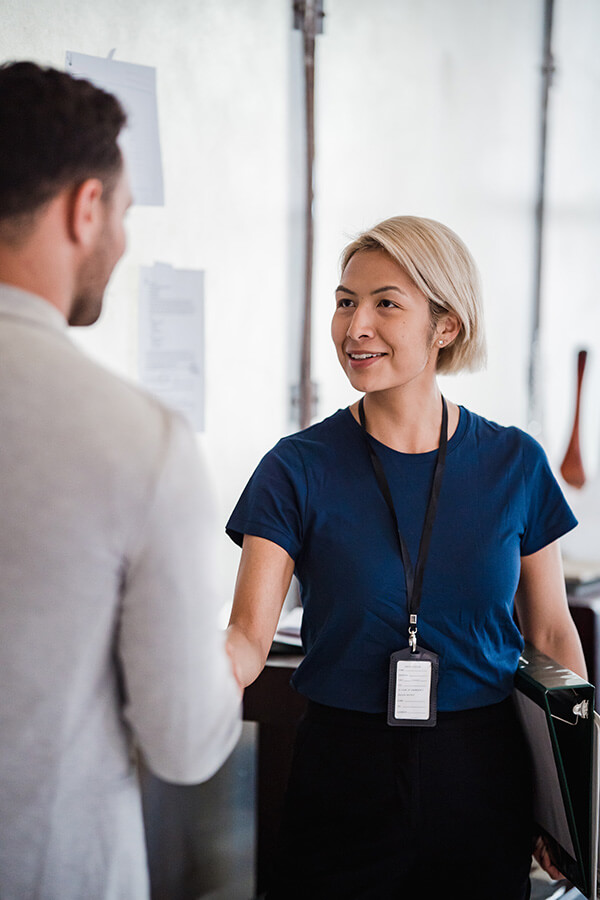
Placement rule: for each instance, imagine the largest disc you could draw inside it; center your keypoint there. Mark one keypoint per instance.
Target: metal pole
(534, 411)
(308, 17)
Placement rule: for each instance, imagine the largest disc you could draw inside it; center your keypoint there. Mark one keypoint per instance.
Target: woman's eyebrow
(389, 287)
(381, 290)
(346, 290)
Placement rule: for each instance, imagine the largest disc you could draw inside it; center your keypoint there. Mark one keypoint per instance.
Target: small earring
(441, 343)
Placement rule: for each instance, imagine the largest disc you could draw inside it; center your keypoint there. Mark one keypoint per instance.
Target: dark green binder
(556, 708)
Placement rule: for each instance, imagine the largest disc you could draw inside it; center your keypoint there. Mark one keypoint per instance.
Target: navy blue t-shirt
(315, 494)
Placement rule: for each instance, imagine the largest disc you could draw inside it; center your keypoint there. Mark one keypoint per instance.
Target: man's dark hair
(55, 131)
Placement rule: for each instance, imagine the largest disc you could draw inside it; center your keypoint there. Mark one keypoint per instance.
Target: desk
(277, 708)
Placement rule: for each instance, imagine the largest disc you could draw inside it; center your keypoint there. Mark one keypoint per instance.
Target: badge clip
(412, 633)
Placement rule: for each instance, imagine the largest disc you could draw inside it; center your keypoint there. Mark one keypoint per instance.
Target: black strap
(414, 577)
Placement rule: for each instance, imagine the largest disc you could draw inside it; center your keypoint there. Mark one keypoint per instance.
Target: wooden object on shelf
(572, 466)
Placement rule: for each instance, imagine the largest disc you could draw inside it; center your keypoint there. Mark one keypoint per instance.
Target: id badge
(412, 694)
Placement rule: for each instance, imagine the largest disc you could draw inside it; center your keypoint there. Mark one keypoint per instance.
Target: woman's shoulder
(322, 437)
(494, 431)
(310, 455)
(503, 441)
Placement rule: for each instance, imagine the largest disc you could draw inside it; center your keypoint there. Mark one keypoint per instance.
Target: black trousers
(376, 812)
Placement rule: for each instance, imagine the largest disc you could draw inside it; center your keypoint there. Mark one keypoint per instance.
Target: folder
(596, 810)
(556, 709)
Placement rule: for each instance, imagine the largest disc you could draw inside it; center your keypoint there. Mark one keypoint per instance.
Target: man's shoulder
(47, 370)
(129, 411)
(117, 390)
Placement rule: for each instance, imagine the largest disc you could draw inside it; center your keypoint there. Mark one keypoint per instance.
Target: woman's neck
(407, 421)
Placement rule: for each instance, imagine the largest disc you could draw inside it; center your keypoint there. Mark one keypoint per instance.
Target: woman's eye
(388, 304)
(343, 303)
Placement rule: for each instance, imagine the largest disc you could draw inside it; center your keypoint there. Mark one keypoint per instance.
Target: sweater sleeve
(181, 698)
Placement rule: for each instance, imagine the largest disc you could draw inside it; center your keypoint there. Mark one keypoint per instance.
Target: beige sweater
(108, 614)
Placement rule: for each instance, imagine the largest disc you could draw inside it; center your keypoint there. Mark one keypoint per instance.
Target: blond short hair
(441, 266)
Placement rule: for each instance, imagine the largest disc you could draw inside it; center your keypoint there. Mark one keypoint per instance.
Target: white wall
(427, 107)
(572, 272)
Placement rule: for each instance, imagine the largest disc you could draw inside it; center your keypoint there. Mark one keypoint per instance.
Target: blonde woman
(412, 524)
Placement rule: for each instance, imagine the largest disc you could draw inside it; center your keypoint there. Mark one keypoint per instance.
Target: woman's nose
(361, 324)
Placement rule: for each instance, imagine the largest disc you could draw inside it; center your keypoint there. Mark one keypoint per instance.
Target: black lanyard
(414, 577)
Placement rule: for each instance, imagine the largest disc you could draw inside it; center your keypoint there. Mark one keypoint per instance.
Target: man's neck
(42, 261)
(35, 273)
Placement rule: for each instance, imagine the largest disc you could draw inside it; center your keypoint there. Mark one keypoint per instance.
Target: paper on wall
(135, 87)
(171, 338)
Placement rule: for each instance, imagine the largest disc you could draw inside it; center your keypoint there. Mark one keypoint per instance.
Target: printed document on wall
(171, 338)
(135, 87)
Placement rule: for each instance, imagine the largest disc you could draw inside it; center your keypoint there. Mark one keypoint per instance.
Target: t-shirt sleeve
(548, 515)
(273, 502)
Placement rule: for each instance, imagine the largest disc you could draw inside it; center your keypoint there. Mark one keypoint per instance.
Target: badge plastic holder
(412, 692)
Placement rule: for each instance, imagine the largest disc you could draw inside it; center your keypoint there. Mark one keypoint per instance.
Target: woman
(411, 524)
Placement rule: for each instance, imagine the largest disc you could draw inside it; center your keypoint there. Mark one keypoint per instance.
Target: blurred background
(424, 107)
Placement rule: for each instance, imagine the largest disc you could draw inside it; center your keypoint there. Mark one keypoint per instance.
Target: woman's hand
(542, 855)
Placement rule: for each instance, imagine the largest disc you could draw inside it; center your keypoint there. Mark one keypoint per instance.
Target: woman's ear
(86, 212)
(448, 328)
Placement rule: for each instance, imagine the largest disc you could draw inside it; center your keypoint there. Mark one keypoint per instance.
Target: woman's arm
(543, 610)
(262, 583)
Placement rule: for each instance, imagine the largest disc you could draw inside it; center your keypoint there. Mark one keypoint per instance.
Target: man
(108, 613)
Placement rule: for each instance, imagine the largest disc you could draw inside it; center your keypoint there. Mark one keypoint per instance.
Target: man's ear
(86, 213)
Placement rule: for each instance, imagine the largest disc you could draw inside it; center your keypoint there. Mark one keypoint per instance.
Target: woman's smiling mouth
(360, 360)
